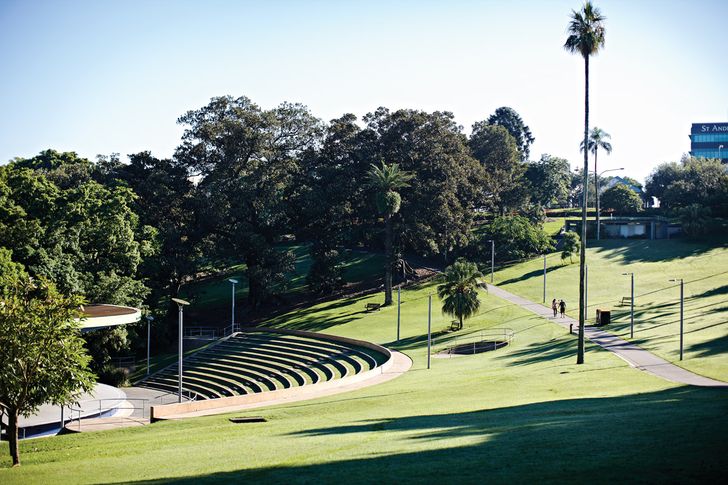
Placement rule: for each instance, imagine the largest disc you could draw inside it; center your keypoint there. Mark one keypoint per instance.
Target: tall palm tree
(459, 292)
(597, 139)
(586, 37)
(386, 180)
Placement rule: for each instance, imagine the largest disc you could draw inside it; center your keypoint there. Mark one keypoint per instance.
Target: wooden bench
(370, 307)
(626, 299)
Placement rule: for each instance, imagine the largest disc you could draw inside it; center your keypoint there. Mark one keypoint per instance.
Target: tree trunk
(388, 257)
(460, 317)
(596, 187)
(582, 253)
(13, 436)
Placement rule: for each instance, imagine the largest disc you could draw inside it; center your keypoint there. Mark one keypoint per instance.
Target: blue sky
(102, 77)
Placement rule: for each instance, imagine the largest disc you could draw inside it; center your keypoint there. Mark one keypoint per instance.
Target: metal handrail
(191, 396)
(101, 409)
(505, 334)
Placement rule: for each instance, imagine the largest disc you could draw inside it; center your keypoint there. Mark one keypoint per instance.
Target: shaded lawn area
(703, 266)
(522, 413)
(211, 297)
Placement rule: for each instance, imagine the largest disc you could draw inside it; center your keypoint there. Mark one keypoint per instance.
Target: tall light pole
(399, 302)
(492, 258)
(232, 318)
(180, 305)
(429, 328)
(596, 195)
(544, 278)
(631, 309)
(682, 294)
(150, 319)
(586, 293)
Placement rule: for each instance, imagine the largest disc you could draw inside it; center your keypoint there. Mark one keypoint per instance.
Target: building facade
(709, 140)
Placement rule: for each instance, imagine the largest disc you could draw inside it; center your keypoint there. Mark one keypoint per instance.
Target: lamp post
(596, 193)
(429, 328)
(492, 258)
(399, 302)
(150, 319)
(180, 305)
(232, 318)
(544, 278)
(631, 309)
(682, 293)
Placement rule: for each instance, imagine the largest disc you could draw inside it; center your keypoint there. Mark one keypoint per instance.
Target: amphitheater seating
(255, 361)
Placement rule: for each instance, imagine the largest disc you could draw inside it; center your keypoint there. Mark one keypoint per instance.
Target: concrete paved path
(634, 355)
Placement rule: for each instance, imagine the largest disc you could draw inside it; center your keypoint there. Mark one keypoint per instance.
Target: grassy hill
(522, 413)
(703, 266)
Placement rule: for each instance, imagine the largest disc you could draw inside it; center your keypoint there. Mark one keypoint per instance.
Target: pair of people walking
(558, 307)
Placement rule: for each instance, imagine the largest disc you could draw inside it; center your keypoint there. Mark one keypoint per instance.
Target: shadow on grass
(529, 275)
(717, 346)
(651, 251)
(613, 439)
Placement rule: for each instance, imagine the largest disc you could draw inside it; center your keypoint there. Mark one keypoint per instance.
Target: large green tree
(331, 197)
(459, 290)
(509, 119)
(622, 199)
(246, 159)
(692, 181)
(496, 149)
(549, 180)
(42, 359)
(586, 37)
(598, 138)
(437, 208)
(387, 180)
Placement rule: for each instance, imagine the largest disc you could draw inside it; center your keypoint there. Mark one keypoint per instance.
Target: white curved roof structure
(101, 316)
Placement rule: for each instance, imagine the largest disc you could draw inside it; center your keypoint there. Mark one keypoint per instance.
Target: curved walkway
(634, 355)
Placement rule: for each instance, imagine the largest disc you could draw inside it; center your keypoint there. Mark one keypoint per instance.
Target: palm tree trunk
(388, 257)
(596, 186)
(13, 436)
(460, 317)
(582, 252)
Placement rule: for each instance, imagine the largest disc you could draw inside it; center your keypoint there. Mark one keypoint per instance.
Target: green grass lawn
(704, 267)
(523, 413)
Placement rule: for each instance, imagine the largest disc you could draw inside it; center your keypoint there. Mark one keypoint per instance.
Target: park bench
(370, 307)
(626, 299)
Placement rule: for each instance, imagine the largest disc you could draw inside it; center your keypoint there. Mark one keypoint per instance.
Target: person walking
(562, 308)
(554, 307)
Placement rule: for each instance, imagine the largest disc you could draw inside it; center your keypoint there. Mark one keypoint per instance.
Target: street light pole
(492, 259)
(429, 329)
(149, 325)
(682, 294)
(180, 305)
(631, 309)
(544, 278)
(399, 302)
(586, 293)
(232, 320)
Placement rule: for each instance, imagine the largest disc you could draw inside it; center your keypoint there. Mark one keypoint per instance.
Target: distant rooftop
(100, 316)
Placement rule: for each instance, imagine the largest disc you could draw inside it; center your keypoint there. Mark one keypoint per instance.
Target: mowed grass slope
(703, 267)
(523, 413)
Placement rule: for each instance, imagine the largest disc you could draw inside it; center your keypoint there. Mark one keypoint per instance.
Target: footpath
(634, 355)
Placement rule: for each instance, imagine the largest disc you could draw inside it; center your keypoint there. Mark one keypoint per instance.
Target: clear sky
(99, 77)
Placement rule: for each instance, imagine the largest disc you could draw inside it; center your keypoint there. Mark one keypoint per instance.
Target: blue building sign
(709, 140)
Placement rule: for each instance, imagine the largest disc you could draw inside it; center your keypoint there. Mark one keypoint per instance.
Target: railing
(201, 333)
(103, 409)
(496, 336)
(172, 397)
(124, 362)
(231, 329)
